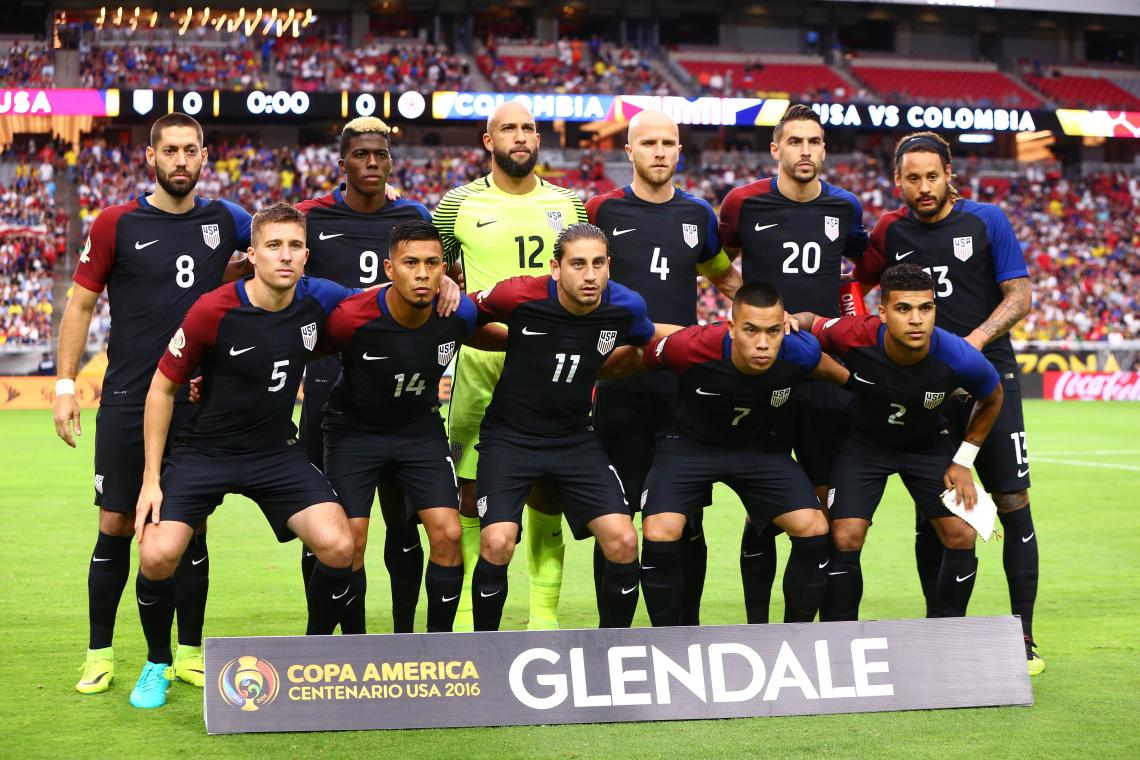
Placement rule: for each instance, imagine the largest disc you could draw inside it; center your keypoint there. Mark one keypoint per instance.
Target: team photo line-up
(583, 388)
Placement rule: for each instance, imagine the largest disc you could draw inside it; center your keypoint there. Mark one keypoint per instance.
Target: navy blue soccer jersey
(655, 249)
(901, 405)
(251, 361)
(969, 254)
(391, 373)
(553, 356)
(154, 265)
(797, 247)
(720, 405)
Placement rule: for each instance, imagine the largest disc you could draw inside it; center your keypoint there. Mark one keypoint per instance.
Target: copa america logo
(249, 683)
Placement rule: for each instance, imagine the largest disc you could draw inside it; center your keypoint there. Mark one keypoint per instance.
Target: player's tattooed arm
(831, 371)
(728, 282)
(72, 340)
(803, 320)
(156, 426)
(1016, 298)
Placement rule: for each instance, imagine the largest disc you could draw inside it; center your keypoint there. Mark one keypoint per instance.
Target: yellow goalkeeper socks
(469, 547)
(545, 553)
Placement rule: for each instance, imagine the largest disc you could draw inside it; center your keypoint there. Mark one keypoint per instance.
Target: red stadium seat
(946, 86)
(1085, 92)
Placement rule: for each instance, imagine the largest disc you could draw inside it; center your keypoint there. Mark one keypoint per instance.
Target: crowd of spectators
(314, 63)
(177, 66)
(27, 64)
(573, 66)
(33, 235)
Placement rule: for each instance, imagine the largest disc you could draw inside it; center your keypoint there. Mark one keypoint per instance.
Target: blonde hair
(363, 125)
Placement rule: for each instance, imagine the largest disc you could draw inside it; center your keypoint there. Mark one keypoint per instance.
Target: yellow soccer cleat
(189, 666)
(98, 671)
(1035, 663)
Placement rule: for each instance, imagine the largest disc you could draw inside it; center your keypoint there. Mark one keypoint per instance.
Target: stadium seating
(572, 67)
(316, 63)
(949, 85)
(1085, 92)
(33, 235)
(745, 79)
(179, 66)
(27, 64)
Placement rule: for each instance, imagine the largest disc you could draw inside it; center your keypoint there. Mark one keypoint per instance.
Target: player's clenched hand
(961, 481)
(195, 389)
(149, 505)
(449, 295)
(67, 418)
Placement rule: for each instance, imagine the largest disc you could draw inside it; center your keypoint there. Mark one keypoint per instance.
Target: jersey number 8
(184, 266)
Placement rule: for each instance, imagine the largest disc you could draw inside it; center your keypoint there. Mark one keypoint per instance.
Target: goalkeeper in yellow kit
(499, 226)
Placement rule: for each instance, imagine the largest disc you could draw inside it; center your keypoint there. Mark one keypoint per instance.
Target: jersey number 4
(659, 264)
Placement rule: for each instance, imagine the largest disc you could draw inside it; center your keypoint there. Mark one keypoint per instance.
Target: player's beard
(932, 211)
(645, 176)
(796, 173)
(514, 168)
(166, 183)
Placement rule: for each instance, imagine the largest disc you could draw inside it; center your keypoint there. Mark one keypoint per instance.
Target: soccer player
(349, 230)
(903, 370)
(793, 231)
(661, 238)
(499, 226)
(562, 328)
(155, 255)
(251, 338)
(382, 422)
(736, 379)
(983, 289)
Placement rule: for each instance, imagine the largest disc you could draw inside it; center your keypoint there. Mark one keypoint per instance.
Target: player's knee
(659, 528)
(957, 534)
(497, 545)
(116, 523)
(1011, 502)
(338, 550)
(813, 524)
(620, 546)
(156, 562)
(847, 536)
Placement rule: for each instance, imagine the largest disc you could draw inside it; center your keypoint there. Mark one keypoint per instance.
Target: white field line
(1083, 463)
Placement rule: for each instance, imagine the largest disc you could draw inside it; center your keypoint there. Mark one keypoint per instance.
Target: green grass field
(1086, 472)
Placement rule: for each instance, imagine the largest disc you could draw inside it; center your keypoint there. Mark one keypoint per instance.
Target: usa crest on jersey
(554, 219)
(211, 235)
(933, 399)
(963, 248)
(606, 340)
(309, 335)
(444, 352)
(831, 227)
(779, 397)
(689, 231)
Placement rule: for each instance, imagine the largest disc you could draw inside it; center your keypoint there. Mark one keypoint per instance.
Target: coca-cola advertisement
(1092, 386)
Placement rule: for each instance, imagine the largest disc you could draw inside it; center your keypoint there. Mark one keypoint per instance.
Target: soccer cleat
(150, 689)
(1036, 664)
(189, 665)
(98, 671)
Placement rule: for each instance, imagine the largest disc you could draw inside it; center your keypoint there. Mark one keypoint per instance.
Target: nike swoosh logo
(625, 591)
(706, 393)
(308, 554)
(411, 548)
(368, 358)
(968, 577)
(766, 226)
(649, 567)
(100, 559)
(556, 533)
(139, 246)
(323, 236)
(351, 599)
(527, 331)
(622, 232)
(750, 556)
(342, 593)
(147, 604)
(1023, 473)
(856, 375)
(839, 572)
(826, 562)
(1028, 538)
(901, 256)
(196, 562)
(487, 596)
(447, 599)
(235, 352)
(481, 223)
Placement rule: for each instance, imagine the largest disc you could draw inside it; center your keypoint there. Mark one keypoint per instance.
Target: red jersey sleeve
(869, 268)
(595, 204)
(496, 303)
(686, 348)
(98, 254)
(197, 335)
(841, 334)
(346, 319)
(730, 218)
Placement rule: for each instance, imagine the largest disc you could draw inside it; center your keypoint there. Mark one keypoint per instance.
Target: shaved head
(509, 112)
(650, 120)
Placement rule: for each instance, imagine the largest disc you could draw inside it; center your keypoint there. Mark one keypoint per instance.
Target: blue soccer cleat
(150, 689)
